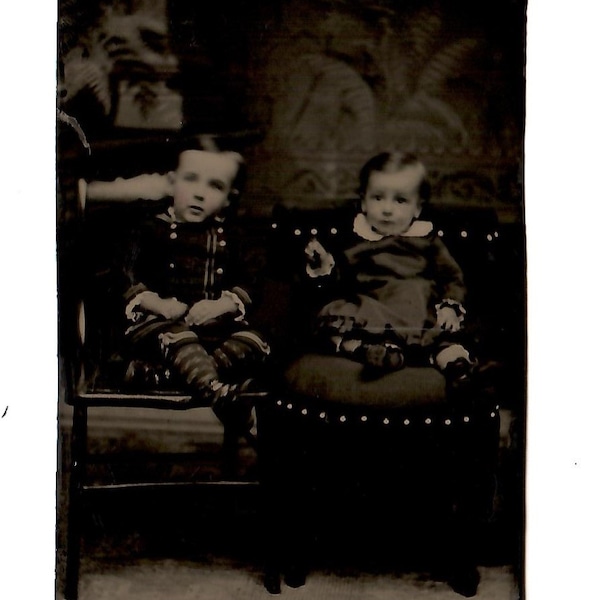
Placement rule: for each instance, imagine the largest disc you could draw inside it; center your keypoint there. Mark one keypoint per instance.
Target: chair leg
(229, 450)
(285, 503)
(78, 452)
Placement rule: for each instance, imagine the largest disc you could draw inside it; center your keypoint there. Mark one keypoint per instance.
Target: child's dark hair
(392, 162)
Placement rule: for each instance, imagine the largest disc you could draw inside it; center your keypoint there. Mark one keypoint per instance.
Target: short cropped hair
(392, 162)
(208, 143)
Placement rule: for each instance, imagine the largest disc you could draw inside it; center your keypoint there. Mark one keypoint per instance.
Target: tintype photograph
(291, 284)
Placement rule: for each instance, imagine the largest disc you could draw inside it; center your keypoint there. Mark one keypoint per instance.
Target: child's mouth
(196, 210)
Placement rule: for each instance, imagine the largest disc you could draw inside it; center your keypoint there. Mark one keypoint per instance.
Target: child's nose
(387, 207)
(200, 192)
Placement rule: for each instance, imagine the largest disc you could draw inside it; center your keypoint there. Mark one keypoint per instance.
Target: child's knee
(171, 340)
(242, 349)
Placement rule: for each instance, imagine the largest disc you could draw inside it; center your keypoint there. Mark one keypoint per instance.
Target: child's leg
(192, 362)
(380, 352)
(146, 364)
(237, 360)
(182, 351)
(239, 356)
(377, 355)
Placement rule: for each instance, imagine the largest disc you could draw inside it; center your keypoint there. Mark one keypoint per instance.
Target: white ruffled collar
(362, 228)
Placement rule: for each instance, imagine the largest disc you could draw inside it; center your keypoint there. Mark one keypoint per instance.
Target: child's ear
(233, 196)
(170, 180)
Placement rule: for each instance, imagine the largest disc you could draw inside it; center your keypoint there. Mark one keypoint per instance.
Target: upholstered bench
(329, 433)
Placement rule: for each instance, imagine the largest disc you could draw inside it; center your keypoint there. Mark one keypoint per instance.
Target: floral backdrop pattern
(321, 83)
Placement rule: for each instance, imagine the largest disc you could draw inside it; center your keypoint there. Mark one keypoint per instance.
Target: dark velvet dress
(391, 285)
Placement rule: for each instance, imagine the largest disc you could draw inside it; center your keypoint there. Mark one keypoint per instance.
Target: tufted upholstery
(330, 429)
(338, 381)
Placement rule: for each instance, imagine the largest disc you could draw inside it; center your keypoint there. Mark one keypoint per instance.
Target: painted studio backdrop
(316, 86)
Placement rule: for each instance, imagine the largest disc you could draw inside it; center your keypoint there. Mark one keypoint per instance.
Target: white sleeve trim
(132, 311)
(326, 268)
(238, 302)
(455, 305)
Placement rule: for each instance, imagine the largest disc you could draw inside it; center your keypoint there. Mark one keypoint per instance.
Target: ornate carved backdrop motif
(116, 66)
(324, 82)
(343, 78)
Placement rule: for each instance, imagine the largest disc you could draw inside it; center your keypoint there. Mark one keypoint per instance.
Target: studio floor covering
(225, 580)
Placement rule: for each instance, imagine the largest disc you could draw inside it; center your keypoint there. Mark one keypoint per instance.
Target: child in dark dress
(402, 292)
(189, 291)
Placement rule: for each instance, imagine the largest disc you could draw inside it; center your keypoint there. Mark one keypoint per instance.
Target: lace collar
(362, 228)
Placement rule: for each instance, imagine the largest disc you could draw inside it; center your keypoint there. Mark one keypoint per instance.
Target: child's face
(201, 184)
(391, 201)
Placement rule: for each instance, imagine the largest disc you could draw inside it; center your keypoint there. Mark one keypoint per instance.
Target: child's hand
(169, 308)
(207, 310)
(173, 309)
(319, 262)
(447, 319)
(316, 255)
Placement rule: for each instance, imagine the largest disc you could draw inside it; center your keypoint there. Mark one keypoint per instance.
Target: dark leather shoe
(465, 581)
(295, 576)
(272, 582)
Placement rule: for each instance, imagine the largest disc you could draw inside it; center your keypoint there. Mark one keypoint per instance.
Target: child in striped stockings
(188, 294)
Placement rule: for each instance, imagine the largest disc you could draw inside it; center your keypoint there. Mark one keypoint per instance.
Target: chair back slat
(108, 212)
(154, 186)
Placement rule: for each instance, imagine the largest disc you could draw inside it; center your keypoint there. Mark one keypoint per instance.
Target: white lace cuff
(453, 304)
(325, 269)
(132, 310)
(238, 302)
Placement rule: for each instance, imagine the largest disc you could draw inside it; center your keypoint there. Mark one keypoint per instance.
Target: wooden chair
(93, 366)
(337, 450)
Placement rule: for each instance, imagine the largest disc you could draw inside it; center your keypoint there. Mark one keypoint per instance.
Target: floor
(205, 544)
(174, 545)
(228, 580)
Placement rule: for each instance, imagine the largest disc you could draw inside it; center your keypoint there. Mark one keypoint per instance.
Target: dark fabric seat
(340, 381)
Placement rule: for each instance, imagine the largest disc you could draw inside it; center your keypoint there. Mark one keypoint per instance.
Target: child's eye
(376, 197)
(400, 199)
(190, 177)
(218, 185)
